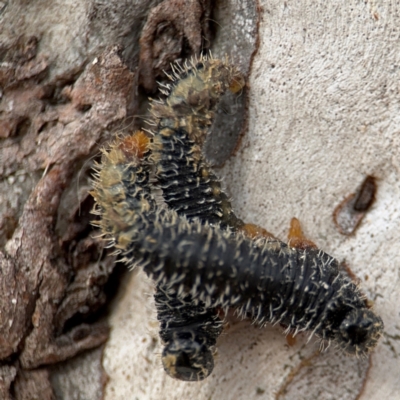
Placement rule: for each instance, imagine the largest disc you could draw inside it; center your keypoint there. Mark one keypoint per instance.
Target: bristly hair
(302, 289)
(199, 259)
(190, 187)
(123, 197)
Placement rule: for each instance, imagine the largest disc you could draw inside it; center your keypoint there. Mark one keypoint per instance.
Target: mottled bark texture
(175, 29)
(53, 269)
(69, 83)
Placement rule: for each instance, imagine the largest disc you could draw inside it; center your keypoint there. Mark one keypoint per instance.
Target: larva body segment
(195, 90)
(123, 200)
(191, 189)
(200, 266)
(189, 186)
(267, 279)
(183, 120)
(189, 332)
(121, 188)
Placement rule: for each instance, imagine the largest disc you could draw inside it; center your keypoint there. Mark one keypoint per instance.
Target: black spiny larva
(190, 187)
(302, 289)
(190, 329)
(182, 121)
(122, 187)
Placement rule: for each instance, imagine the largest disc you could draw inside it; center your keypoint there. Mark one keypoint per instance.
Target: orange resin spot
(252, 231)
(290, 339)
(296, 237)
(135, 145)
(237, 83)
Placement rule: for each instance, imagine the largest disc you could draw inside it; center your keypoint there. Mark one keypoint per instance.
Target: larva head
(199, 89)
(187, 357)
(360, 331)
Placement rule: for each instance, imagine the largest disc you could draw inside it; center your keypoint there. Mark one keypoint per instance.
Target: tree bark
(319, 114)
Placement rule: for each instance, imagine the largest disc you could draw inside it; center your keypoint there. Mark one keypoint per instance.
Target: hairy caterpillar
(182, 122)
(188, 316)
(303, 289)
(189, 187)
(189, 330)
(122, 186)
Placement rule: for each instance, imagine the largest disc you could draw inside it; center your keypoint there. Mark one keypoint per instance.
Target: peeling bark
(53, 270)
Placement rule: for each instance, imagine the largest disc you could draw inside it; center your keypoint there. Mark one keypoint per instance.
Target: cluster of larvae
(202, 258)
